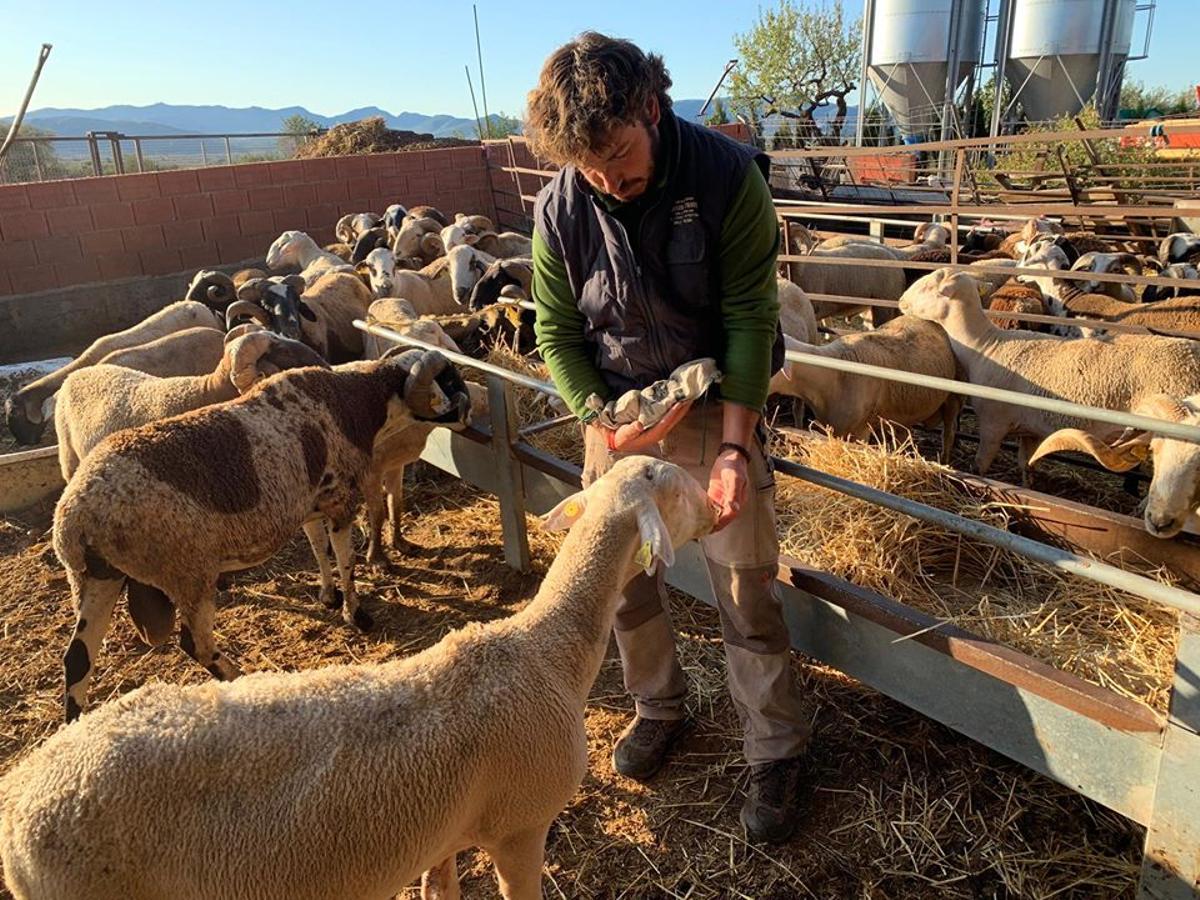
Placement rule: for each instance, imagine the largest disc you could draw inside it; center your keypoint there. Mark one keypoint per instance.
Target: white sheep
(845, 280)
(852, 405)
(1174, 496)
(351, 225)
(1111, 374)
(504, 245)
(352, 780)
(295, 248)
(796, 316)
(322, 316)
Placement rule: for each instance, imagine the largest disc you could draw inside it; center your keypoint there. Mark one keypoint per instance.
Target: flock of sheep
(200, 440)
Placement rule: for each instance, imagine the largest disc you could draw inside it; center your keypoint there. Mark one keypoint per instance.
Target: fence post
(1171, 863)
(94, 152)
(37, 161)
(959, 155)
(137, 151)
(876, 228)
(228, 151)
(203, 154)
(510, 482)
(114, 140)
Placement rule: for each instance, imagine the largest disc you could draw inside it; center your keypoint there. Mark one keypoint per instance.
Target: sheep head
(499, 277)
(253, 356)
(667, 504)
(466, 266)
(935, 296)
(371, 239)
(1180, 247)
(408, 240)
(215, 290)
(474, 224)
(1106, 263)
(280, 298)
(287, 249)
(934, 233)
(393, 218)
(433, 390)
(378, 269)
(1174, 493)
(429, 212)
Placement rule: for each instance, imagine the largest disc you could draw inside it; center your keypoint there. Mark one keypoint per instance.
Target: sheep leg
(373, 493)
(196, 637)
(518, 863)
(990, 437)
(94, 600)
(393, 486)
(949, 431)
(1026, 446)
(318, 539)
(343, 549)
(441, 882)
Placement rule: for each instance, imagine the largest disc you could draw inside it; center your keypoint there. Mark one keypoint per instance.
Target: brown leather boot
(772, 808)
(644, 745)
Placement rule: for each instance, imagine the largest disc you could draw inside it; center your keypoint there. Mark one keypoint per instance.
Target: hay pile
(371, 136)
(563, 441)
(1115, 640)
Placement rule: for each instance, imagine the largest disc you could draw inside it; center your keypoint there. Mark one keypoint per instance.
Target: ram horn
(295, 282)
(251, 289)
(244, 354)
(238, 331)
(214, 289)
(422, 393)
(253, 311)
(371, 239)
(1121, 458)
(344, 230)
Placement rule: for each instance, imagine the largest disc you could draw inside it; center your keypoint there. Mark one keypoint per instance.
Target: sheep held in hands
(175, 503)
(352, 780)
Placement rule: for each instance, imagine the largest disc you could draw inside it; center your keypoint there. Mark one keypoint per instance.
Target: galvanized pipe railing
(1063, 560)
(1182, 432)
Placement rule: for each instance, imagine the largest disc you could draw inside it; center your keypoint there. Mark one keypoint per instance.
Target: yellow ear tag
(643, 557)
(572, 510)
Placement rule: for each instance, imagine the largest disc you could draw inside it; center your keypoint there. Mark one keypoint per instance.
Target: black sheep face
(283, 304)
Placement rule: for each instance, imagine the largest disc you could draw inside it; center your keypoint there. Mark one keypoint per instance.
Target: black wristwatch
(736, 448)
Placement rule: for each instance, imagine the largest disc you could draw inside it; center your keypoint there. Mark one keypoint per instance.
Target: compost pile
(372, 136)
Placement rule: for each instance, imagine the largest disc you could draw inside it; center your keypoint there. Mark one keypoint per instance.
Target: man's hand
(633, 437)
(727, 486)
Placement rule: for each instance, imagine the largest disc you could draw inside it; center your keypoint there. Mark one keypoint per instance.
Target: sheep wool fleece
(742, 562)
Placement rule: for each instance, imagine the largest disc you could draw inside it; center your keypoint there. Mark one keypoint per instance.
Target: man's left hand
(727, 486)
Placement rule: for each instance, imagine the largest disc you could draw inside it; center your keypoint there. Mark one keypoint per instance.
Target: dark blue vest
(652, 308)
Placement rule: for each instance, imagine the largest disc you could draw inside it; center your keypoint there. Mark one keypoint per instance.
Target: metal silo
(1057, 54)
(917, 53)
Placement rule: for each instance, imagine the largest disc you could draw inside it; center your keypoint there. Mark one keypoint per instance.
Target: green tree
(797, 58)
(1139, 101)
(718, 116)
(301, 129)
(501, 126)
(20, 164)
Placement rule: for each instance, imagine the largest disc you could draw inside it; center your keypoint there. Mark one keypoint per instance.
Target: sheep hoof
(363, 620)
(332, 600)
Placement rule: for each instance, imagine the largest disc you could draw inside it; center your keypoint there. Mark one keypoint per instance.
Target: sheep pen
(897, 806)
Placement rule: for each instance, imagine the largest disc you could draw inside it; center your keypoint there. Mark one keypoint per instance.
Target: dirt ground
(895, 806)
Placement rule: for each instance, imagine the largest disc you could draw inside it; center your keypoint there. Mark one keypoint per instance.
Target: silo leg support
(1171, 865)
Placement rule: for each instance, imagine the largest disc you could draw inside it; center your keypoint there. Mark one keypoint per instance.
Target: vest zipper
(655, 338)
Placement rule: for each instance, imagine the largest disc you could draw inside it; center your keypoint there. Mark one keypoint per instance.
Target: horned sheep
(476, 741)
(1112, 373)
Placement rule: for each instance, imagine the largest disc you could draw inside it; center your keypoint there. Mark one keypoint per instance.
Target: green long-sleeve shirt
(749, 243)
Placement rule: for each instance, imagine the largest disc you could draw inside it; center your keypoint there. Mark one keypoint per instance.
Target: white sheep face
(466, 265)
(454, 236)
(381, 271)
(285, 251)
(933, 297)
(1174, 494)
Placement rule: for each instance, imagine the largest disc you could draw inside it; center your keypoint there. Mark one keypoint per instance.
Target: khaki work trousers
(742, 563)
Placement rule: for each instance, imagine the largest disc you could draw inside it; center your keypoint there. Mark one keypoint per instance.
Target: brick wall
(62, 233)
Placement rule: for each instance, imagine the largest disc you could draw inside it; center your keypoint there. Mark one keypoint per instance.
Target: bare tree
(798, 58)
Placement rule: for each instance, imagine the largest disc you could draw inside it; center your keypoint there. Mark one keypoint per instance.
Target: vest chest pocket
(686, 261)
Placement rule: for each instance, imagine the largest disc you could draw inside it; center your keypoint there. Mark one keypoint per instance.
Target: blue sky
(399, 55)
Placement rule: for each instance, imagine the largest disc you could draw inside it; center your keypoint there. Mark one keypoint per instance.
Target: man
(656, 245)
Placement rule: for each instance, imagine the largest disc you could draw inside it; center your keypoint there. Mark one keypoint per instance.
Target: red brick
(363, 188)
(51, 194)
(28, 281)
(173, 184)
(220, 227)
(410, 162)
(229, 202)
(69, 221)
(194, 206)
(318, 170)
(160, 262)
(331, 191)
(118, 265)
(466, 156)
(448, 180)
(437, 159)
(112, 215)
(474, 178)
(198, 257)
(183, 234)
(265, 197)
(393, 186)
(233, 250)
(153, 211)
(291, 219)
(218, 178)
(82, 272)
(22, 224)
(16, 254)
(322, 235)
(137, 187)
(287, 172)
(259, 222)
(300, 195)
(14, 196)
(143, 237)
(324, 216)
(99, 242)
(95, 190)
(252, 174)
(348, 167)
(58, 250)
(5, 284)
(420, 188)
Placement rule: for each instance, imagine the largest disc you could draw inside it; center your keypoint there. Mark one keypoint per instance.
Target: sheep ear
(470, 238)
(566, 513)
(655, 545)
(307, 312)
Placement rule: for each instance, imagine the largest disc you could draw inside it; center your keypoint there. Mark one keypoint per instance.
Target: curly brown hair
(587, 88)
